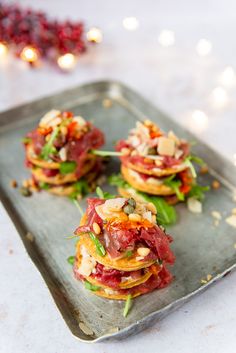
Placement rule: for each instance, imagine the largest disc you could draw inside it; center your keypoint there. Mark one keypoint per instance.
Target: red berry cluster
(25, 27)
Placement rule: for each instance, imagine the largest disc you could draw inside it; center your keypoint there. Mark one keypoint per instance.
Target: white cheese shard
(87, 264)
(166, 146)
(194, 205)
(63, 154)
(114, 205)
(231, 220)
(172, 136)
(48, 117)
(79, 120)
(148, 215)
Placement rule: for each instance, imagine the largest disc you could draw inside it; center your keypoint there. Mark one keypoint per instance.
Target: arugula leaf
(190, 165)
(26, 140)
(91, 286)
(128, 305)
(48, 148)
(197, 160)
(81, 189)
(129, 253)
(99, 247)
(117, 180)
(197, 191)
(44, 186)
(166, 214)
(104, 194)
(174, 185)
(67, 167)
(71, 260)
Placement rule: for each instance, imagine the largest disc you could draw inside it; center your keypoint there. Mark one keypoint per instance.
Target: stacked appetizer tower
(122, 252)
(58, 153)
(155, 163)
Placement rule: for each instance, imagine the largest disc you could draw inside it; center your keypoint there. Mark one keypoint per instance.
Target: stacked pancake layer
(58, 153)
(121, 250)
(155, 163)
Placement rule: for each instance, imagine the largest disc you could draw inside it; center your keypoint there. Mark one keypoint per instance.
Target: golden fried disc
(157, 171)
(149, 188)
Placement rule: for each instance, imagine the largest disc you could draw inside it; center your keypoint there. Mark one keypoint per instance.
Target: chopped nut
(158, 162)
(96, 228)
(231, 220)
(209, 277)
(139, 258)
(25, 183)
(107, 103)
(143, 251)
(203, 281)
(64, 130)
(29, 236)
(194, 205)
(55, 122)
(148, 122)
(204, 169)
(150, 206)
(48, 117)
(125, 151)
(135, 217)
(13, 183)
(147, 215)
(216, 184)
(216, 215)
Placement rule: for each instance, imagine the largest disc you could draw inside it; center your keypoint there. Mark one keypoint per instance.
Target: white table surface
(178, 81)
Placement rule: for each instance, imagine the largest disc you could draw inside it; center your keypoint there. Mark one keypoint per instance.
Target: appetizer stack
(155, 163)
(122, 252)
(58, 153)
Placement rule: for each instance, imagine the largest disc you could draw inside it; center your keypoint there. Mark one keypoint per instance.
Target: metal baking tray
(44, 221)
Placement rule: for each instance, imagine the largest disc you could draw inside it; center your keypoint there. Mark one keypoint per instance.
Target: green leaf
(81, 189)
(91, 286)
(105, 153)
(26, 140)
(99, 247)
(198, 191)
(174, 185)
(44, 186)
(191, 167)
(197, 160)
(166, 214)
(71, 260)
(67, 167)
(99, 192)
(117, 180)
(48, 148)
(128, 305)
(129, 253)
(76, 202)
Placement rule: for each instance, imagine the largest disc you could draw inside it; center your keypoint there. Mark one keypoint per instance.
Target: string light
(198, 121)
(203, 47)
(166, 38)
(94, 35)
(130, 23)
(219, 97)
(66, 61)
(3, 49)
(227, 77)
(29, 54)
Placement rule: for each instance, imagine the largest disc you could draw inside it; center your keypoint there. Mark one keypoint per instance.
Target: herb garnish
(117, 180)
(48, 148)
(99, 247)
(67, 167)
(104, 194)
(174, 185)
(128, 305)
(91, 286)
(106, 153)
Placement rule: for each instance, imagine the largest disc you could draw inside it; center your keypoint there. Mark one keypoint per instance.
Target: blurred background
(179, 55)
